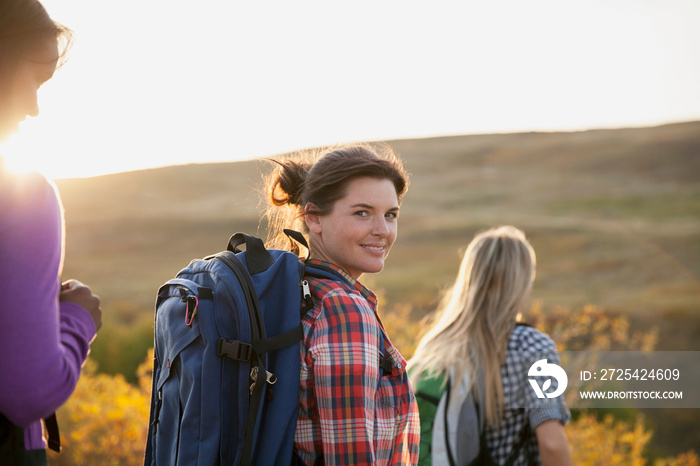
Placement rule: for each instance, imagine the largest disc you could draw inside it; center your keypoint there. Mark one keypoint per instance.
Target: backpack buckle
(385, 364)
(236, 350)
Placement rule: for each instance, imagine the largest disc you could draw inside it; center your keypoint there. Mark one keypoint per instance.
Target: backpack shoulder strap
(323, 272)
(54, 440)
(448, 447)
(384, 361)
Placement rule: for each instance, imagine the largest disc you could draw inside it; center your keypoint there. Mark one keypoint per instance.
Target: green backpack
(428, 392)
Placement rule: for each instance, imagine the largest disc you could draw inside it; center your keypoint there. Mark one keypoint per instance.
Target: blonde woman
(477, 347)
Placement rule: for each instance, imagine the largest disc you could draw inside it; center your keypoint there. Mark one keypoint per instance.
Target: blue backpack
(226, 368)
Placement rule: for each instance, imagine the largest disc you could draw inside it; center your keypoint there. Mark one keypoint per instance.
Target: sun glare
(39, 146)
(20, 159)
(15, 161)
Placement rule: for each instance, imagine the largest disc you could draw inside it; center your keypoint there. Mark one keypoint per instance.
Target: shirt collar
(364, 291)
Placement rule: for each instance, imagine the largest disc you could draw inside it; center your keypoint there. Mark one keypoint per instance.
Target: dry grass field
(614, 216)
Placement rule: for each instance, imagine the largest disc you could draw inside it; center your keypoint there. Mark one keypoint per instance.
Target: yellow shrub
(607, 442)
(105, 422)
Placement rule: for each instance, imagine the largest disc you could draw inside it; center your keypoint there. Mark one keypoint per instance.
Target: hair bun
(288, 183)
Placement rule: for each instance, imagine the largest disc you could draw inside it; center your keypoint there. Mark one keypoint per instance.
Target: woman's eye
(392, 215)
(362, 213)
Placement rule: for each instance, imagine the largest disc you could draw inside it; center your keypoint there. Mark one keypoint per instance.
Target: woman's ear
(312, 219)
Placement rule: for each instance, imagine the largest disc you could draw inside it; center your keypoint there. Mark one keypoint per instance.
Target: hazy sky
(153, 83)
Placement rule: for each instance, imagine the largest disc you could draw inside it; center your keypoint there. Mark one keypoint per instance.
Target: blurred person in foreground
(476, 345)
(46, 327)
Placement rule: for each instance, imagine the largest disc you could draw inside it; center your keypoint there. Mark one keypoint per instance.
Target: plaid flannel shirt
(348, 413)
(526, 345)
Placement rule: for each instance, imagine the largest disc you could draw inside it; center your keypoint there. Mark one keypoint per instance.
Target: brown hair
(321, 178)
(24, 26)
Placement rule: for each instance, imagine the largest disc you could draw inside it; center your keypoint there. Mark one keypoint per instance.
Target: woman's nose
(381, 227)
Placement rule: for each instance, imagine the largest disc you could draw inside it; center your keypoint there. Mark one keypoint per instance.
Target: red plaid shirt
(347, 415)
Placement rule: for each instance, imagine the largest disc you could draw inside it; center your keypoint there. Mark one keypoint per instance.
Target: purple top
(43, 343)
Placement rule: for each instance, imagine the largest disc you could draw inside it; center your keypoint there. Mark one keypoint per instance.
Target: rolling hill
(614, 216)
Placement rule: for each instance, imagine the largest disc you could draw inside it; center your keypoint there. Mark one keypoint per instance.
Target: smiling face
(360, 229)
(18, 94)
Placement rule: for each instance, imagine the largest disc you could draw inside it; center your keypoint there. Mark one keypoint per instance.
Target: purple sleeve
(43, 344)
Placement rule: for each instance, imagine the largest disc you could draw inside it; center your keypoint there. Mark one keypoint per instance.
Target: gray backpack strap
(472, 422)
(448, 389)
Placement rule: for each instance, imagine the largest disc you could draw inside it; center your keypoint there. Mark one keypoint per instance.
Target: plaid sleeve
(538, 345)
(522, 406)
(344, 353)
(549, 409)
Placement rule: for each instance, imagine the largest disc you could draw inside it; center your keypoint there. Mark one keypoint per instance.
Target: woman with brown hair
(356, 403)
